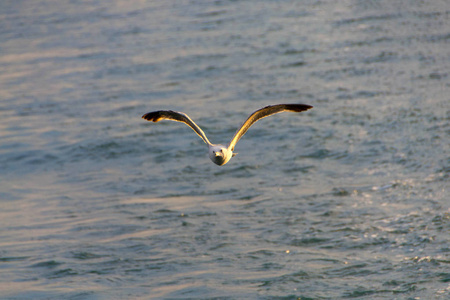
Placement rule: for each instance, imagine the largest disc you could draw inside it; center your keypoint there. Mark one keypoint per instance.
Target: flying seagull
(221, 154)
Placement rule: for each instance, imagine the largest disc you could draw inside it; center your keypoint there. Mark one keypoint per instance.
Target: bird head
(219, 154)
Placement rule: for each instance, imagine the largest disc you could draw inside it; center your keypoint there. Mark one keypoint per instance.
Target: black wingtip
(298, 107)
(151, 116)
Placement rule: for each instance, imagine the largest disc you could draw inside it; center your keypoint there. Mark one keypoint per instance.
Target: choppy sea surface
(349, 200)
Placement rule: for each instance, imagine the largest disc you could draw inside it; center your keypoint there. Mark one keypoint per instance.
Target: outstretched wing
(262, 113)
(159, 115)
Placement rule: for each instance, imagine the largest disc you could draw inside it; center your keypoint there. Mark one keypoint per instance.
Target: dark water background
(349, 200)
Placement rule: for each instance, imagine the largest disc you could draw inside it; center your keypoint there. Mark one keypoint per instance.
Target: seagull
(220, 154)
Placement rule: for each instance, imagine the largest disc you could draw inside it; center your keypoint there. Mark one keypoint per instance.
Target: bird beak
(217, 153)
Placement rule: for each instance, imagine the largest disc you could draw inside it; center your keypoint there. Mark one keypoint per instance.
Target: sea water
(347, 200)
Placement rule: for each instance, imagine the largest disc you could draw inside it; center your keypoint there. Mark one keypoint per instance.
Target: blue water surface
(349, 200)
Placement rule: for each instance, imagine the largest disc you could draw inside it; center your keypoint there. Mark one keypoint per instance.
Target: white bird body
(220, 154)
